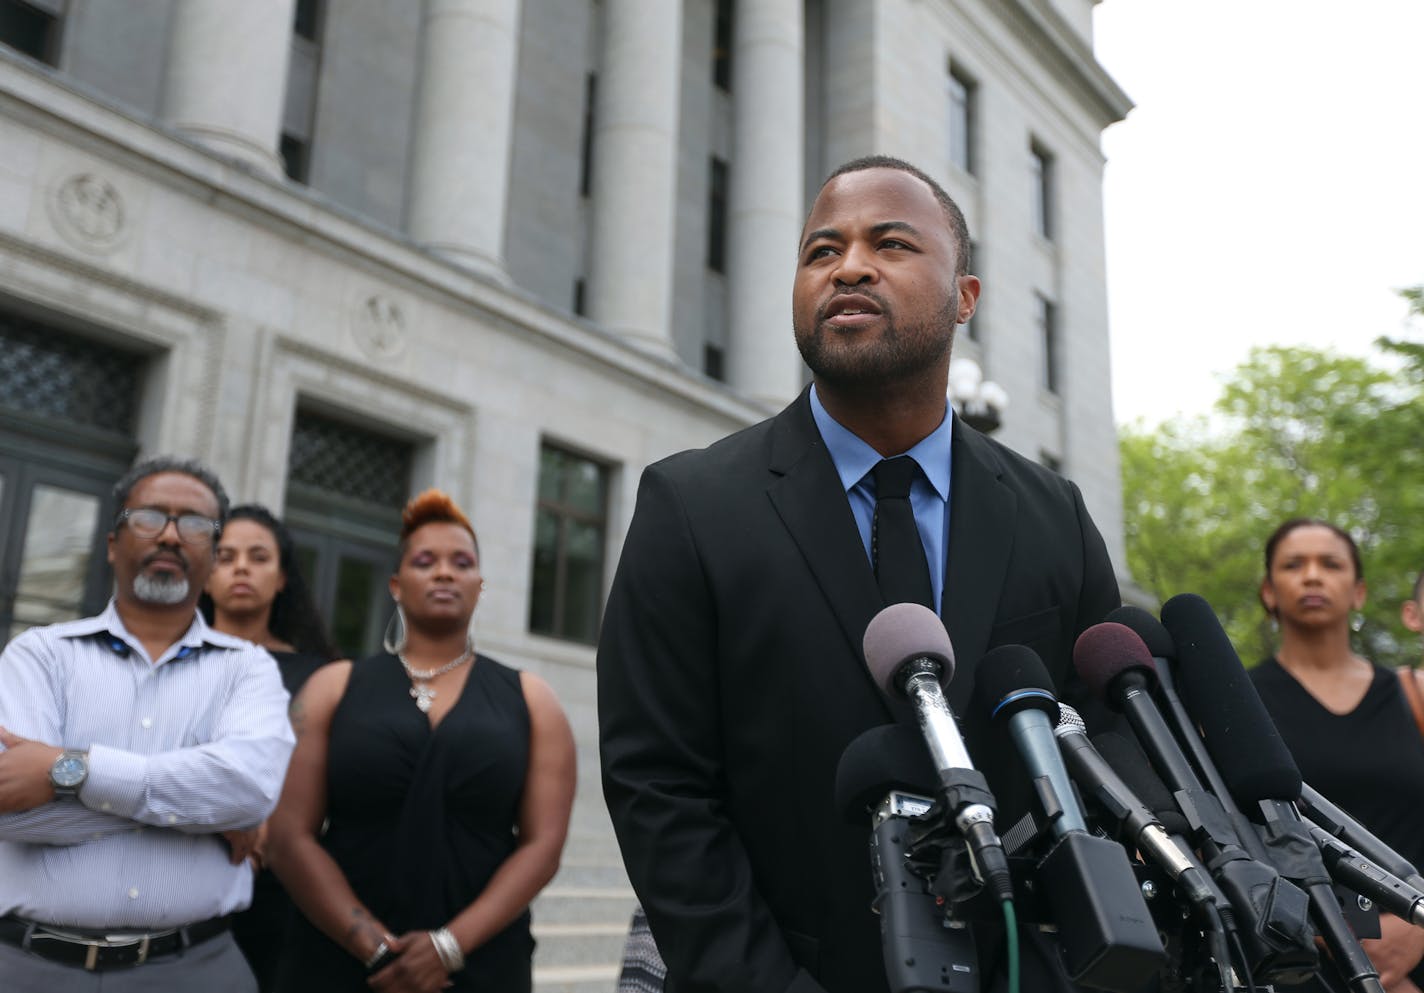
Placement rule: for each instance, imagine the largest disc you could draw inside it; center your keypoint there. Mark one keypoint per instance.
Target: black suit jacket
(731, 678)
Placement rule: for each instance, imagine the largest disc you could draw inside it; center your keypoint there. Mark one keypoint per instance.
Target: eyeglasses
(149, 522)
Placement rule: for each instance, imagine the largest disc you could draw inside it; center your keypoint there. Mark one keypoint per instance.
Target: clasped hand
(417, 967)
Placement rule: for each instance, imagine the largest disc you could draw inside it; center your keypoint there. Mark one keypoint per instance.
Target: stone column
(226, 76)
(459, 171)
(635, 143)
(765, 199)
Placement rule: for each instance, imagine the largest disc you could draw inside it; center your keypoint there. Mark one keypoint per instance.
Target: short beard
(896, 358)
(161, 591)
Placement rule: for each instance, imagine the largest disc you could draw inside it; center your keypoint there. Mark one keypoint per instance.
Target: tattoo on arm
(362, 926)
(297, 714)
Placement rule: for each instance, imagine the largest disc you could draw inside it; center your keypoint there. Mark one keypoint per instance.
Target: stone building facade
(514, 248)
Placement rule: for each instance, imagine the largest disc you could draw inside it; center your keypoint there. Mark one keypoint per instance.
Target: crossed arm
(224, 785)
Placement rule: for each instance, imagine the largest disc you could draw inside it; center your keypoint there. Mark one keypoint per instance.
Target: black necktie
(901, 568)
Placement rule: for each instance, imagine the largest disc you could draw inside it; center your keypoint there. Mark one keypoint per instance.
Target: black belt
(97, 952)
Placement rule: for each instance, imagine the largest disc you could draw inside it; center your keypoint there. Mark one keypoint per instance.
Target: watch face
(68, 771)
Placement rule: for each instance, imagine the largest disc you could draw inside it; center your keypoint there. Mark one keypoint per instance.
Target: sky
(1267, 188)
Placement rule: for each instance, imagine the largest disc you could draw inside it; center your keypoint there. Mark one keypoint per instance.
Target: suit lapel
(981, 528)
(823, 527)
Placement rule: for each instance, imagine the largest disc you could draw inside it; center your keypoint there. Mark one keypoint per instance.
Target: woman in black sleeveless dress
(444, 780)
(257, 591)
(1345, 720)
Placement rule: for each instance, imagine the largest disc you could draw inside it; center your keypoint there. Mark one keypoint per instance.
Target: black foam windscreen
(1240, 736)
(1148, 628)
(902, 632)
(1012, 678)
(885, 758)
(1127, 760)
(1107, 650)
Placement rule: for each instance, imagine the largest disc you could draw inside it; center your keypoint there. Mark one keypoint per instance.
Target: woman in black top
(257, 591)
(444, 780)
(1344, 719)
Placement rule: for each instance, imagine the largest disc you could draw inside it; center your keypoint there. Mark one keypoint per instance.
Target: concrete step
(583, 905)
(575, 978)
(593, 846)
(580, 945)
(590, 874)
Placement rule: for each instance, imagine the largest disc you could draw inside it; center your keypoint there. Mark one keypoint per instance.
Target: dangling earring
(1275, 624)
(1357, 620)
(394, 640)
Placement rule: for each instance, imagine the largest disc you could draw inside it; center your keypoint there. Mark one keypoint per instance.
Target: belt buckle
(91, 957)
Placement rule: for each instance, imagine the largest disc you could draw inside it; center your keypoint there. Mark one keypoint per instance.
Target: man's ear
(1412, 615)
(968, 290)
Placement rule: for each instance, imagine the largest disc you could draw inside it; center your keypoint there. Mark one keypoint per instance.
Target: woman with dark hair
(444, 780)
(256, 591)
(1345, 719)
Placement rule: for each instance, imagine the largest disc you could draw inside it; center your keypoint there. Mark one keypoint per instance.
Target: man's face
(167, 569)
(876, 299)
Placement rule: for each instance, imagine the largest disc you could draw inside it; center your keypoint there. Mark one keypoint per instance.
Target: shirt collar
(853, 458)
(110, 623)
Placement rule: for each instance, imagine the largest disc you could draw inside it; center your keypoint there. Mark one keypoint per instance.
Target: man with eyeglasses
(141, 749)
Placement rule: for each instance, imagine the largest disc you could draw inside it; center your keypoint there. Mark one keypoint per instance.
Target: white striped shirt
(179, 750)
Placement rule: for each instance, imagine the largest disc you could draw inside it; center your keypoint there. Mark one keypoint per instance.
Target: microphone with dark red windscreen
(1270, 912)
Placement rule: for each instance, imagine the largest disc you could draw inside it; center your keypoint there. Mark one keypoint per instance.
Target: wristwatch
(69, 772)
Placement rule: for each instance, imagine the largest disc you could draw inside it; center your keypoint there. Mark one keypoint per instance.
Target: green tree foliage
(1301, 433)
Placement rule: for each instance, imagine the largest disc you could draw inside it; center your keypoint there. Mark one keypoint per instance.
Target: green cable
(1011, 931)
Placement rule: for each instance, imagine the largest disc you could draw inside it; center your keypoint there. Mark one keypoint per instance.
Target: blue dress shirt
(929, 493)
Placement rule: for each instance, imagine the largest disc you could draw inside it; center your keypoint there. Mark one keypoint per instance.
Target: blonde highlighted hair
(432, 507)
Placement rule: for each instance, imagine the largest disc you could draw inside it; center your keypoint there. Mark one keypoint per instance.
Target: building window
(346, 486)
(306, 21)
(1048, 335)
(303, 75)
(1050, 462)
(590, 90)
(295, 160)
(961, 120)
(581, 297)
(717, 216)
(722, 46)
(571, 519)
(714, 360)
(68, 407)
(32, 27)
(1041, 165)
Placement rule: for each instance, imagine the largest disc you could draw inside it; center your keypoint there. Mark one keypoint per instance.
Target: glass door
(54, 520)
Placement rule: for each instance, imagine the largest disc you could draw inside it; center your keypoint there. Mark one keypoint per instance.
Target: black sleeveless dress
(419, 820)
(261, 929)
(1370, 762)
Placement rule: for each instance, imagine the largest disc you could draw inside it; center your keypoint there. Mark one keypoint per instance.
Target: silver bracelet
(448, 949)
(381, 949)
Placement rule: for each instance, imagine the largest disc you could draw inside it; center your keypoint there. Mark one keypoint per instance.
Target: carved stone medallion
(89, 212)
(380, 325)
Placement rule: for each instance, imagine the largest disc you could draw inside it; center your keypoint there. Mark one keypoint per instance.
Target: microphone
(1105, 931)
(1258, 769)
(1238, 730)
(1114, 662)
(1361, 875)
(886, 773)
(1013, 686)
(1354, 834)
(1164, 653)
(909, 654)
(1135, 822)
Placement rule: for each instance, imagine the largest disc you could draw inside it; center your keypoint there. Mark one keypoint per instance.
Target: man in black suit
(730, 673)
